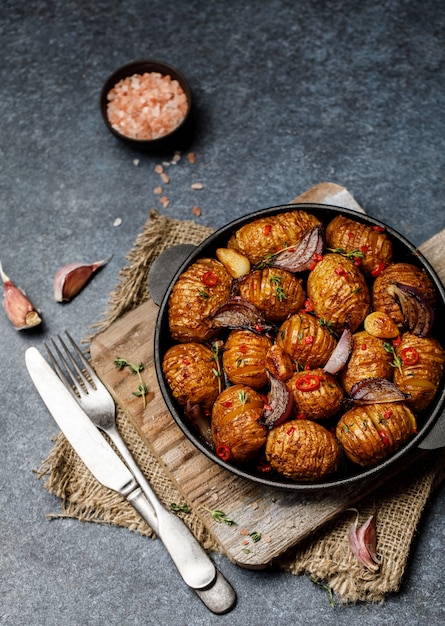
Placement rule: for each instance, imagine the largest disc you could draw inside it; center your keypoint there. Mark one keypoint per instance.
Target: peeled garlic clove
(363, 541)
(20, 311)
(71, 278)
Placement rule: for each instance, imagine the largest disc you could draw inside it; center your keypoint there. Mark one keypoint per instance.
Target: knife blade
(195, 566)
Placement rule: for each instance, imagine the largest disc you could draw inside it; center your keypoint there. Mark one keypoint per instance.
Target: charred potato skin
(189, 371)
(302, 450)
(275, 292)
(306, 340)
(422, 378)
(244, 358)
(370, 433)
(324, 401)
(339, 292)
(369, 359)
(267, 235)
(404, 273)
(373, 245)
(193, 298)
(235, 423)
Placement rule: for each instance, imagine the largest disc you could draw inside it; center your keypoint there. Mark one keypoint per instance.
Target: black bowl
(176, 138)
(430, 422)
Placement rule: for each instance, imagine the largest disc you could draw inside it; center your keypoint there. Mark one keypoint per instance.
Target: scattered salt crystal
(197, 186)
(159, 169)
(136, 162)
(243, 531)
(196, 211)
(117, 221)
(191, 157)
(267, 538)
(165, 178)
(164, 201)
(157, 190)
(176, 157)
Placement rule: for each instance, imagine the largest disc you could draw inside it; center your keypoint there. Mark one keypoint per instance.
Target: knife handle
(191, 560)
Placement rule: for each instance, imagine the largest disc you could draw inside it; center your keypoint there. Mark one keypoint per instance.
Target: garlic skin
(20, 311)
(363, 541)
(71, 278)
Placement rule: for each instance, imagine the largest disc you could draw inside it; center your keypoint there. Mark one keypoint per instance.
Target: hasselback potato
(421, 365)
(279, 363)
(317, 395)
(268, 235)
(302, 450)
(244, 358)
(369, 359)
(369, 246)
(383, 298)
(370, 433)
(338, 292)
(200, 289)
(237, 434)
(189, 369)
(306, 340)
(275, 292)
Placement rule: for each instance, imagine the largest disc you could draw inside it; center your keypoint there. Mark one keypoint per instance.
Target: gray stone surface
(287, 94)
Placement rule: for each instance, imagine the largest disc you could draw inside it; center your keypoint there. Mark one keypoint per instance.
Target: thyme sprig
(217, 370)
(180, 508)
(141, 390)
(279, 291)
(397, 361)
(325, 587)
(219, 516)
(349, 254)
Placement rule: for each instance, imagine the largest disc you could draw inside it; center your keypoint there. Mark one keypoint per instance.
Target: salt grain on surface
(146, 106)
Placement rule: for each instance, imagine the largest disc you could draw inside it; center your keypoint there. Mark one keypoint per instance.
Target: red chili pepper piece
(308, 382)
(396, 342)
(301, 416)
(384, 437)
(267, 229)
(227, 404)
(409, 355)
(310, 339)
(209, 278)
(340, 271)
(378, 269)
(243, 348)
(308, 306)
(223, 452)
(387, 414)
(290, 431)
(378, 229)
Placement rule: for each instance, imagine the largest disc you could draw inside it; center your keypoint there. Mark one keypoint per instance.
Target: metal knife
(193, 563)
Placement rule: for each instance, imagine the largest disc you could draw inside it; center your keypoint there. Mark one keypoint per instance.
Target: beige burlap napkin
(325, 555)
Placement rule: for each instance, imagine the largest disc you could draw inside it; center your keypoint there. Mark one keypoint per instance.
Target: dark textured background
(287, 94)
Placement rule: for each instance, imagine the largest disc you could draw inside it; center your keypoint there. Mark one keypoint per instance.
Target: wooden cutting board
(282, 518)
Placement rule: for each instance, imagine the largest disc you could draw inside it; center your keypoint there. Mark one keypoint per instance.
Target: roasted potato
(317, 395)
(302, 450)
(370, 433)
(189, 369)
(200, 289)
(368, 246)
(279, 363)
(369, 359)
(275, 292)
(338, 292)
(383, 298)
(237, 434)
(421, 365)
(306, 340)
(268, 235)
(244, 358)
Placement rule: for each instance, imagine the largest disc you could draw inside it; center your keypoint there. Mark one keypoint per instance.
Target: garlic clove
(71, 278)
(20, 311)
(363, 541)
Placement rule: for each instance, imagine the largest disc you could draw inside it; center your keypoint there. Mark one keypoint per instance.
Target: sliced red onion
(301, 255)
(238, 313)
(200, 421)
(376, 391)
(340, 354)
(279, 403)
(417, 311)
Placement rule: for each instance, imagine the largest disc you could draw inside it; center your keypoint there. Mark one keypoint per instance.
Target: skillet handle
(164, 268)
(436, 437)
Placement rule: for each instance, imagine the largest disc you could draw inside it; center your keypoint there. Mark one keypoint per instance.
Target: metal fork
(99, 405)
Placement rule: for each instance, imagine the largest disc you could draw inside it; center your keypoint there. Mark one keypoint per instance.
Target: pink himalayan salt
(146, 106)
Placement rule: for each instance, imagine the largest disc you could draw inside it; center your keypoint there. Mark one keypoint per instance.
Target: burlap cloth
(324, 555)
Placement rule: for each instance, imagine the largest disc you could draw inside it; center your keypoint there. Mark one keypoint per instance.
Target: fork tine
(83, 360)
(61, 374)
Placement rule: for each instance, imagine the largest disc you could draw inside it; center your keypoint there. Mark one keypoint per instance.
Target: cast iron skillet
(431, 423)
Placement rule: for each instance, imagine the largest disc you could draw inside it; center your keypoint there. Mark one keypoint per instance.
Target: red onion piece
(301, 255)
(279, 403)
(238, 313)
(200, 421)
(417, 311)
(340, 354)
(376, 391)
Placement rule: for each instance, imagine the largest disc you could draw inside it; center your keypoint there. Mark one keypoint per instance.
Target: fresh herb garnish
(325, 587)
(180, 508)
(141, 390)
(219, 516)
(397, 361)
